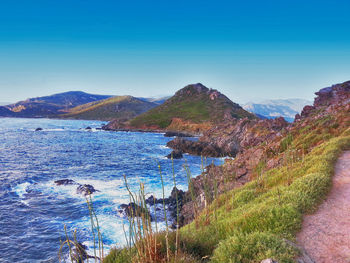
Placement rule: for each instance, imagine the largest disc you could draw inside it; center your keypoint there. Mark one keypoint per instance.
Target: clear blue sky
(248, 50)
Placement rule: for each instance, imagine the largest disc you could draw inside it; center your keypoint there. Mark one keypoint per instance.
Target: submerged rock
(86, 189)
(65, 182)
(39, 129)
(176, 154)
(88, 128)
(79, 253)
(135, 210)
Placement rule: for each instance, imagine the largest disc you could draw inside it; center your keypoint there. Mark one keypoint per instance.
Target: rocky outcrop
(65, 182)
(176, 154)
(172, 204)
(230, 138)
(259, 142)
(135, 210)
(196, 147)
(84, 189)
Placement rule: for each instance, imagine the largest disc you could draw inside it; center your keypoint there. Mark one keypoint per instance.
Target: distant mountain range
(80, 105)
(157, 101)
(270, 109)
(194, 103)
(49, 106)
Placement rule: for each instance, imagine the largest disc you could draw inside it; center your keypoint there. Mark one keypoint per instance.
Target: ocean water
(34, 210)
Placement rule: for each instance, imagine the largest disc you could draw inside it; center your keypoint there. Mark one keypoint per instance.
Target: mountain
(270, 109)
(121, 108)
(157, 101)
(195, 108)
(48, 106)
(5, 112)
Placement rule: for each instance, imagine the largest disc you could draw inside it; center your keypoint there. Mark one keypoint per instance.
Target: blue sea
(34, 210)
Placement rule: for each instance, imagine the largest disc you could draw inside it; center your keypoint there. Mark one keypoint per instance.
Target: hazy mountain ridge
(48, 106)
(286, 108)
(156, 100)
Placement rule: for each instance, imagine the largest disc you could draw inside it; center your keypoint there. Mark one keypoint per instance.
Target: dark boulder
(79, 253)
(176, 154)
(135, 210)
(39, 129)
(86, 189)
(196, 147)
(88, 128)
(65, 182)
(152, 200)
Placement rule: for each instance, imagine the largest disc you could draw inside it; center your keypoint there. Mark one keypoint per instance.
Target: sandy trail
(325, 235)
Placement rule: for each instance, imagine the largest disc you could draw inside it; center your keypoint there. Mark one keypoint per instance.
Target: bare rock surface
(325, 235)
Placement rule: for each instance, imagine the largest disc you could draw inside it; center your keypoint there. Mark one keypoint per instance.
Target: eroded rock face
(335, 94)
(328, 98)
(195, 148)
(230, 138)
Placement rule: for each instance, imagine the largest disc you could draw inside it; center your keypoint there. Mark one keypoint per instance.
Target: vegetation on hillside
(251, 223)
(194, 103)
(118, 107)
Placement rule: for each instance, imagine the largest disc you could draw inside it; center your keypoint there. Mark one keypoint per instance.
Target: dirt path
(325, 235)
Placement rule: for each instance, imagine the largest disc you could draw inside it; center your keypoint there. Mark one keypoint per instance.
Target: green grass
(276, 210)
(250, 223)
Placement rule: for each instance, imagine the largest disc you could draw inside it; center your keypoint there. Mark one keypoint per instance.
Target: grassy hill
(119, 107)
(194, 103)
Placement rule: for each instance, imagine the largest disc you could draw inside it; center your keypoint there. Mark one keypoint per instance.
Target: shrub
(253, 247)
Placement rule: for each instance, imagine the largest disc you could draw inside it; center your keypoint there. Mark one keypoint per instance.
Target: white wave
(20, 189)
(163, 147)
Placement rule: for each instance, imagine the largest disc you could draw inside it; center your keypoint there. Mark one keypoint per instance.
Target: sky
(249, 50)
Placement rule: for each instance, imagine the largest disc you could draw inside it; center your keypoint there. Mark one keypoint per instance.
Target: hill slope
(249, 208)
(290, 173)
(193, 104)
(48, 106)
(121, 108)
